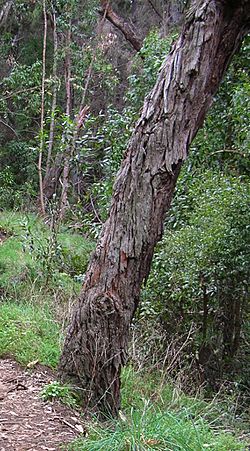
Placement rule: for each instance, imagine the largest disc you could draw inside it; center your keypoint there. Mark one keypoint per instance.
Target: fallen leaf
(151, 442)
(122, 417)
(79, 428)
(32, 364)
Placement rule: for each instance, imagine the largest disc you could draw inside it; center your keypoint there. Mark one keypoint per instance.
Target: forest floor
(26, 421)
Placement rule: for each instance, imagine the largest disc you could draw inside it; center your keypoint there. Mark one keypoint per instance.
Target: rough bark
(96, 342)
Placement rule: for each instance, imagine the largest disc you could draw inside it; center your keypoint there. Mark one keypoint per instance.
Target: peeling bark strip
(96, 343)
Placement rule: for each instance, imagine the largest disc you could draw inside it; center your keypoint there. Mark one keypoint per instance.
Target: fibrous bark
(96, 342)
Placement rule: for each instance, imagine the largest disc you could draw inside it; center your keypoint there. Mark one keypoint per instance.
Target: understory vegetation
(186, 385)
(155, 414)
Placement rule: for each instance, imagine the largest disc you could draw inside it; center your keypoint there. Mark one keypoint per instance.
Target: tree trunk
(5, 11)
(96, 343)
(173, 15)
(125, 27)
(40, 157)
(52, 176)
(79, 119)
(54, 170)
(66, 167)
(54, 92)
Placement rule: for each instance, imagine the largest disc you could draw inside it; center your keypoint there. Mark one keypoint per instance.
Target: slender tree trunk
(54, 95)
(173, 15)
(78, 122)
(52, 177)
(54, 170)
(232, 321)
(95, 347)
(41, 195)
(66, 168)
(119, 22)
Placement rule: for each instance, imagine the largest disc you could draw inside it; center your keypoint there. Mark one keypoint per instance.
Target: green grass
(156, 416)
(31, 259)
(38, 277)
(159, 430)
(13, 260)
(29, 333)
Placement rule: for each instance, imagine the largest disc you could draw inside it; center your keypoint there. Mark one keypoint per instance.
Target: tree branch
(119, 22)
(228, 151)
(8, 126)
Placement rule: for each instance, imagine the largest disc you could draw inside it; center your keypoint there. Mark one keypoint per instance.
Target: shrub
(200, 274)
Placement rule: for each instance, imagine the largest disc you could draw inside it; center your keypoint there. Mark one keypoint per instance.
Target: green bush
(201, 271)
(18, 179)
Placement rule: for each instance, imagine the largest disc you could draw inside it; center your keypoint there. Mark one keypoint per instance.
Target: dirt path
(26, 422)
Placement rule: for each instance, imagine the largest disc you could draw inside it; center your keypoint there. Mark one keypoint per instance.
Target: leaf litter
(27, 423)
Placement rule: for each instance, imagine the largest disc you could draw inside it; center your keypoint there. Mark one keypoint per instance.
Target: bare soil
(27, 423)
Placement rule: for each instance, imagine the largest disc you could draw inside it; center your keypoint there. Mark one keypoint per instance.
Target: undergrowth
(55, 390)
(155, 414)
(37, 259)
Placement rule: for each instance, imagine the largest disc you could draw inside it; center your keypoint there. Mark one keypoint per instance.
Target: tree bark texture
(96, 342)
(52, 177)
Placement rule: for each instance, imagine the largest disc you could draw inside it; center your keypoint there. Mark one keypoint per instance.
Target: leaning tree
(95, 347)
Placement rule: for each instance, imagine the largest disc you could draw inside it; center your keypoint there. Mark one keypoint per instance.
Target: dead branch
(119, 22)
